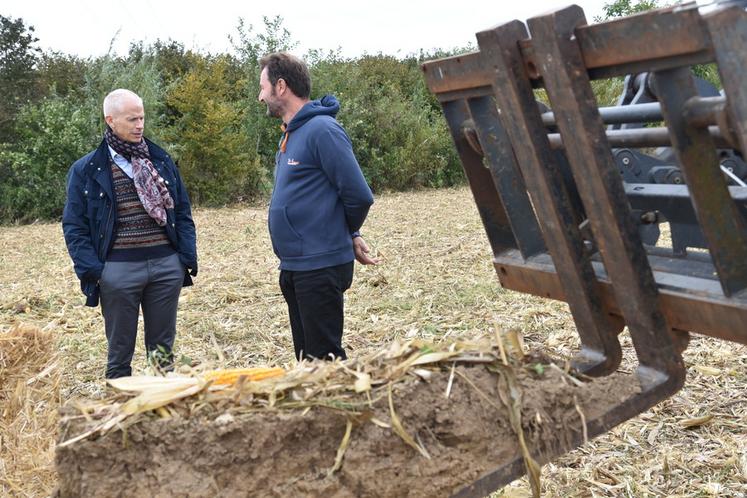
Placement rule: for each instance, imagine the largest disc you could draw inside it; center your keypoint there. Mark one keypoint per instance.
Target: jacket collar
(156, 152)
(99, 158)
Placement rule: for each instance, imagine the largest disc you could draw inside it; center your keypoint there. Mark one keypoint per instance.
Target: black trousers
(315, 305)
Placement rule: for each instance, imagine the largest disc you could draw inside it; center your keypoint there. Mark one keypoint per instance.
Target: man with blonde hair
(129, 231)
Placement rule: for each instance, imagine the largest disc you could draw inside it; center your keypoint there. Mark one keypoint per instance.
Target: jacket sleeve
(185, 225)
(338, 161)
(77, 231)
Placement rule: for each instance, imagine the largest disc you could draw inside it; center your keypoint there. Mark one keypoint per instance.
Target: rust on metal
(600, 186)
(600, 352)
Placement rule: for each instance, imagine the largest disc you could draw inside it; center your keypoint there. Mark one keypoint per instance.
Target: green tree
(251, 45)
(400, 138)
(623, 8)
(262, 133)
(51, 135)
(208, 136)
(18, 57)
(170, 57)
(60, 74)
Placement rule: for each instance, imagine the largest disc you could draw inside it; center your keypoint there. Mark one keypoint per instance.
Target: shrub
(400, 139)
(207, 135)
(203, 109)
(52, 134)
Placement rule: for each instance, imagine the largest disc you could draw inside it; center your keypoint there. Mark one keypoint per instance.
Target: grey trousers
(152, 284)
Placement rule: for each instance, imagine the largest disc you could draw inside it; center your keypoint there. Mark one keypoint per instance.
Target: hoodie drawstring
(327, 106)
(284, 141)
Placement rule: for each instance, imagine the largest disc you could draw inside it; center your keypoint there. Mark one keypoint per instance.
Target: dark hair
(291, 69)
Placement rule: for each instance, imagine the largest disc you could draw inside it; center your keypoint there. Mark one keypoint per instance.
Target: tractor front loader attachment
(562, 222)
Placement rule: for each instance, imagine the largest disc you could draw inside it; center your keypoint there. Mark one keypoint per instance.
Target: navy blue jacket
(90, 215)
(320, 198)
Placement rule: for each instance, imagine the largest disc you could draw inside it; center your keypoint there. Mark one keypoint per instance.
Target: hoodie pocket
(285, 240)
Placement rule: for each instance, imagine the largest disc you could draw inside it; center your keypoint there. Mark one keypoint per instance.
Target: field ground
(436, 283)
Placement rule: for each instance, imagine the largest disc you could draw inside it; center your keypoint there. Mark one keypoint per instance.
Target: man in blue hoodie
(319, 202)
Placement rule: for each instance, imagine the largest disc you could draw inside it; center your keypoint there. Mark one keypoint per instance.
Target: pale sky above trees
(394, 27)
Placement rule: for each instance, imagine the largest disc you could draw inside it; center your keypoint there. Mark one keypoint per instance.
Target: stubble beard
(274, 110)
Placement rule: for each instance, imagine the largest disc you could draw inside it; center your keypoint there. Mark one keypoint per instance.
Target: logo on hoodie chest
(293, 162)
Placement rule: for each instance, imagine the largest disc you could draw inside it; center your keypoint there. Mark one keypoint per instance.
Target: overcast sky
(395, 27)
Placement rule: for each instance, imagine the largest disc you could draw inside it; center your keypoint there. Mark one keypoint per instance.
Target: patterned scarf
(149, 185)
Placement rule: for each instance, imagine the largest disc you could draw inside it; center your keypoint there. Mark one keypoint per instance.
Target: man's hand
(361, 252)
(192, 269)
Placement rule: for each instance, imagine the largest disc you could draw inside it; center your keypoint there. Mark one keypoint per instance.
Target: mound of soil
(290, 452)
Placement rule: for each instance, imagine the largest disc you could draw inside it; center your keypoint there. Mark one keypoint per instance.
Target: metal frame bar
(507, 177)
(721, 223)
(489, 204)
(600, 350)
(657, 293)
(600, 186)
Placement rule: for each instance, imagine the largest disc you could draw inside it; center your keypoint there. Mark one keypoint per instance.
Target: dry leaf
(432, 357)
(707, 370)
(341, 449)
(695, 422)
(400, 430)
(517, 343)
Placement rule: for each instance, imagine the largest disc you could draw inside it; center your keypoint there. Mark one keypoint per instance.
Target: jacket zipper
(104, 250)
(103, 247)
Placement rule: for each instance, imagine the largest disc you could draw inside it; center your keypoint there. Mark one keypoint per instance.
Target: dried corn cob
(227, 377)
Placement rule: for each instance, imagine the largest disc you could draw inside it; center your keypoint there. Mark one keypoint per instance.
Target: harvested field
(29, 400)
(436, 284)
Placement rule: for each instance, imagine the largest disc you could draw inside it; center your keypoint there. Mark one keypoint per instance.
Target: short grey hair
(113, 101)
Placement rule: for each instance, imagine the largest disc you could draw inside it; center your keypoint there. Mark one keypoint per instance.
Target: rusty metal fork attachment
(559, 218)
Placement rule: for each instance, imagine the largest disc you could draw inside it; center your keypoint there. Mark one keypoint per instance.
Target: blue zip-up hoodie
(320, 198)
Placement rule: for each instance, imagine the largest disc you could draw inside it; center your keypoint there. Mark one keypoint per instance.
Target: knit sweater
(137, 236)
